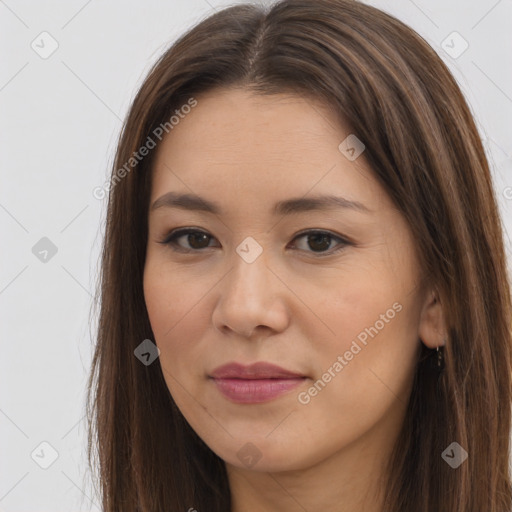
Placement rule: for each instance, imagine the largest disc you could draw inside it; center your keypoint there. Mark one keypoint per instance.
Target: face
(260, 270)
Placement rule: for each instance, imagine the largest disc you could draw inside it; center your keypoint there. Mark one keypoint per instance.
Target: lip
(260, 370)
(256, 383)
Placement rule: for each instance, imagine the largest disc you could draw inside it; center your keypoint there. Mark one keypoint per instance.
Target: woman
(304, 298)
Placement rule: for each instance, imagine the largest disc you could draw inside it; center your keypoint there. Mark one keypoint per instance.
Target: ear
(432, 330)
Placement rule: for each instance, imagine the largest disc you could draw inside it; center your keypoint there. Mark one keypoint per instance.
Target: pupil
(196, 236)
(317, 238)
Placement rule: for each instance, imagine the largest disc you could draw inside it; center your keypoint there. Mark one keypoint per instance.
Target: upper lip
(260, 370)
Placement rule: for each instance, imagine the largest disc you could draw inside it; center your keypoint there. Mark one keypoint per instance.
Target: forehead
(234, 141)
(243, 122)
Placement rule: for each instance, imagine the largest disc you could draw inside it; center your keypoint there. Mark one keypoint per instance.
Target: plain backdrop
(69, 72)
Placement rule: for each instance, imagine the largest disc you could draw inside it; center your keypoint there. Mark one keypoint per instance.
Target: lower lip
(253, 391)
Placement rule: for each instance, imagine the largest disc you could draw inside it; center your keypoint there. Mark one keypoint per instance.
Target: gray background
(60, 118)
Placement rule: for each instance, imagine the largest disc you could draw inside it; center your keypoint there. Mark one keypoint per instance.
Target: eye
(320, 242)
(196, 240)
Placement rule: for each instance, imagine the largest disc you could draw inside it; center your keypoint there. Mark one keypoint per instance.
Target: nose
(252, 301)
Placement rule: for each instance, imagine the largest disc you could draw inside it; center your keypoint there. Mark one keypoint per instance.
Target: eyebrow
(193, 202)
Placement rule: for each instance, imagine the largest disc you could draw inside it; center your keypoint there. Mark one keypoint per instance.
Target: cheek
(168, 296)
(352, 304)
(177, 313)
(375, 299)
(374, 319)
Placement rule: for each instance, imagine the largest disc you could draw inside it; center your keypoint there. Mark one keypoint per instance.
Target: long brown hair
(386, 83)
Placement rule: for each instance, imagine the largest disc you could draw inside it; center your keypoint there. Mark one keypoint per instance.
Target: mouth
(256, 383)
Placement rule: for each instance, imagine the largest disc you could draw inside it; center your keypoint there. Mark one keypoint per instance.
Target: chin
(266, 456)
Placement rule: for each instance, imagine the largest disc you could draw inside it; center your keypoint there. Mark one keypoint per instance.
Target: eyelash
(170, 240)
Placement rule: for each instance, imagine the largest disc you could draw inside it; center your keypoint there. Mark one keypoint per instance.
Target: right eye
(195, 239)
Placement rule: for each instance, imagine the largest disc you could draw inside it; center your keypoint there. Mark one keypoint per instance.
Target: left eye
(318, 241)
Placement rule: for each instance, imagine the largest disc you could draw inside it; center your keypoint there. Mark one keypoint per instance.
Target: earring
(440, 359)
(439, 367)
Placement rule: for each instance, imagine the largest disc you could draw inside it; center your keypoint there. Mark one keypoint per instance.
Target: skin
(291, 306)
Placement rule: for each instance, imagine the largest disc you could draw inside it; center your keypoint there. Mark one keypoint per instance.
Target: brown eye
(320, 242)
(192, 238)
(198, 240)
(317, 242)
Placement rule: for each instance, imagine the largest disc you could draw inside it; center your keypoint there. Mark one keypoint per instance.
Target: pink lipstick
(256, 383)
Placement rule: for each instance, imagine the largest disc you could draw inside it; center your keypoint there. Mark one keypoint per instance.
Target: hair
(395, 93)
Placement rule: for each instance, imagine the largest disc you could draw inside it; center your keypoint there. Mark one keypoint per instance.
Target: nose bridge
(249, 275)
(248, 298)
